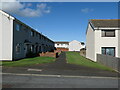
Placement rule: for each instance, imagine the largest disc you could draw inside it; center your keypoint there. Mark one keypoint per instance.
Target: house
(103, 37)
(62, 46)
(69, 46)
(76, 45)
(17, 39)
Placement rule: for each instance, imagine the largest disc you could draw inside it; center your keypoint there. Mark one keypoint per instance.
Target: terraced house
(103, 37)
(17, 39)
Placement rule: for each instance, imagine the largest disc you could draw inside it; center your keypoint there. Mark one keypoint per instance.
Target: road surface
(57, 81)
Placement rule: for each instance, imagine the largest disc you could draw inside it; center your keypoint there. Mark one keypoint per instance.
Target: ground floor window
(108, 51)
(39, 48)
(32, 48)
(18, 48)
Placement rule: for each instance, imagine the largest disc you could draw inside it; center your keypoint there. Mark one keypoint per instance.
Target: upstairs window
(17, 27)
(108, 33)
(39, 36)
(61, 44)
(32, 33)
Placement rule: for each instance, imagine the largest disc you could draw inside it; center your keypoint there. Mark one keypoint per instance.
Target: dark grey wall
(109, 61)
(25, 34)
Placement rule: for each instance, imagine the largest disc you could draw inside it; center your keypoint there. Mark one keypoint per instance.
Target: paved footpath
(60, 67)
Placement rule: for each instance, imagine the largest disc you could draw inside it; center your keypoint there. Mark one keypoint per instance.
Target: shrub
(31, 54)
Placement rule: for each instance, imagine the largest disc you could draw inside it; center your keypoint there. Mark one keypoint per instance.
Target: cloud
(86, 10)
(25, 9)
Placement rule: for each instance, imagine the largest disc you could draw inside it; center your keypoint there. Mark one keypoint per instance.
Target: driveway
(60, 67)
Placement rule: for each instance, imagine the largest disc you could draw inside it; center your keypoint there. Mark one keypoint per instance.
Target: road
(57, 81)
(60, 67)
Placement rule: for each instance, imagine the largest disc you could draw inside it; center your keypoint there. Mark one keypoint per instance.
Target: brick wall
(62, 49)
(49, 54)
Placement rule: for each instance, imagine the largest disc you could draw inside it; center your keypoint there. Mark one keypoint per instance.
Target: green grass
(28, 61)
(75, 58)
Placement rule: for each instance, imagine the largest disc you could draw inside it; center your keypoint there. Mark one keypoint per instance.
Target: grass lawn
(75, 58)
(28, 61)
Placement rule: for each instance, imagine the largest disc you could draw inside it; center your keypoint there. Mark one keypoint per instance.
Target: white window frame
(18, 46)
(17, 27)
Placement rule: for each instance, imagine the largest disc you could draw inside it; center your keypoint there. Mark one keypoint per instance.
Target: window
(108, 51)
(32, 33)
(39, 36)
(32, 48)
(36, 34)
(82, 43)
(18, 48)
(108, 33)
(58, 44)
(17, 27)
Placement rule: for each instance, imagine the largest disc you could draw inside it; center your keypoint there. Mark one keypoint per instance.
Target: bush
(31, 54)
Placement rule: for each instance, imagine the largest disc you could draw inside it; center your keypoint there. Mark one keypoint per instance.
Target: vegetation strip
(76, 58)
(28, 61)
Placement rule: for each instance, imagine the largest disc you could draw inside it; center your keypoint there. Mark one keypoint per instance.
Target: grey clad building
(18, 39)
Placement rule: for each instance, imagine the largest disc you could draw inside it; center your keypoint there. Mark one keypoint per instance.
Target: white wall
(7, 36)
(74, 45)
(0, 36)
(119, 43)
(105, 42)
(90, 43)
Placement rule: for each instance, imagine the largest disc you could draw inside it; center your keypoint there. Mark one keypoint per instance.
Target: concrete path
(60, 67)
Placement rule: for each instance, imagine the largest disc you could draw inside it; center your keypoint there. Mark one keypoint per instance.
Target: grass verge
(75, 58)
(28, 61)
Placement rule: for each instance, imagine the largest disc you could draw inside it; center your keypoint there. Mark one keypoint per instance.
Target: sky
(61, 21)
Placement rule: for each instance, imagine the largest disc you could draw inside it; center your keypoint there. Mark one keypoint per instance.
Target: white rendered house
(76, 45)
(18, 39)
(69, 46)
(62, 45)
(103, 37)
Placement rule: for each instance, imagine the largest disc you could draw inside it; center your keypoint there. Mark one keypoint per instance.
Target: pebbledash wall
(119, 43)
(94, 39)
(15, 33)
(6, 40)
(69, 46)
(76, 45)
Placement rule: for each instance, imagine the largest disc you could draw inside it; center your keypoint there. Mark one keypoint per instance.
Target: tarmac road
(60, 67)
(57, 81)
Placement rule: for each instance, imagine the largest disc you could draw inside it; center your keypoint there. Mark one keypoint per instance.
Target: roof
(105, 22)
(12, 17)
(61, 42)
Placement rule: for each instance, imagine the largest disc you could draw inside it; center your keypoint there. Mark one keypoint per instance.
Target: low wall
(109, 61)
(83, 53)
(62, 49)
(49, 54)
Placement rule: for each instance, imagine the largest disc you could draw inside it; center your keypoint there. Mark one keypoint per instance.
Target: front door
(36, 49)
(26, 49)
